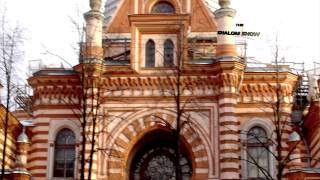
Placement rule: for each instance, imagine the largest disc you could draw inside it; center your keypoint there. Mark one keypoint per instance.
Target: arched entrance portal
(153, 158)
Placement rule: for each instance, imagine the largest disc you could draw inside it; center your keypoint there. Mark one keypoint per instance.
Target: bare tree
(277, 142)
(174, 87)
(10, 51)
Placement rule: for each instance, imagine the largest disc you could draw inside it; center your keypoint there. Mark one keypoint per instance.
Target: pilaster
(229, 137)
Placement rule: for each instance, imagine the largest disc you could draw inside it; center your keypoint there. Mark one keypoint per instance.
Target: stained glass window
(64, 154)
(158, 164)
(257, 153)
(150, 54)
(163, 7)
(168, 53)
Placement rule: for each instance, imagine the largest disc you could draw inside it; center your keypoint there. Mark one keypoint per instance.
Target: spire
(23, 138)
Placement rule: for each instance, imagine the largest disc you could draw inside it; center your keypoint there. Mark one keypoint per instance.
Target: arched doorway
(153, 158)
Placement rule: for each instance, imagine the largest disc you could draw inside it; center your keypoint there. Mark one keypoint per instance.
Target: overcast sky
(297, 23)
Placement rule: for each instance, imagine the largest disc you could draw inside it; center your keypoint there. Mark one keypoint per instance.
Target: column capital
(225, 12)
(224, 3)
(93, 14)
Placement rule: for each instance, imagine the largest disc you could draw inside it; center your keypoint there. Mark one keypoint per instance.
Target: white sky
(297, 22)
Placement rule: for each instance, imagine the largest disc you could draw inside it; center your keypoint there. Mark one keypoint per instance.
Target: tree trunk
(83, 125)
(178, 128)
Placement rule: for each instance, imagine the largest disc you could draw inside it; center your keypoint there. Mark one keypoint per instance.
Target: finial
(95, 5)
(224, 3)
(23, 138)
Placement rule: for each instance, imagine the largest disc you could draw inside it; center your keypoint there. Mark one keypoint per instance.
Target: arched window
(257, 153)
(163, 7)
(150, 53)
(64, 154)
(168, 53)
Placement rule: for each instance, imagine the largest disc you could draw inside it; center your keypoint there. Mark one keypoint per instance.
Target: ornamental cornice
(224, 12)
(229, 80)
(156, 86)
(271, 77)
(148, 82)
(265, 88)
(57, 91)
(265, 92)
(53, 79)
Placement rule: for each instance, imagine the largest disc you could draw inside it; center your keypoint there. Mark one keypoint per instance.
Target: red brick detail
(229, 151)
(202, 164)
(60, 116)
(37, 167)
(127, 133)
(41, 124)
(223, 105)
(229, 132)
(114, 176)
(116, 153)
(200, 176)
(39, 175)
(200, 153)
(237, 170)
(229, 123)
(229, 142)
(227, 114)
(136, 126)
(38, 150)
(223, 160)
(40, 141)
(37, 159)
(34, 133)
(121, 143)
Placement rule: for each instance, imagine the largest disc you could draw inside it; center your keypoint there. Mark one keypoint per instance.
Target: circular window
(154, 159)
(163, 7)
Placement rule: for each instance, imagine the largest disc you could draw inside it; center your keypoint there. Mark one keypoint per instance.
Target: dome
(23, 138)
(294, 136)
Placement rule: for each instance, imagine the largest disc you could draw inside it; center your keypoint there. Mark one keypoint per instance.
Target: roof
(54, 71)
(109, 9)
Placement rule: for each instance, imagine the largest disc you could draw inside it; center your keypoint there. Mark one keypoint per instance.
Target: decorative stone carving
(224, 3)
(95, 5)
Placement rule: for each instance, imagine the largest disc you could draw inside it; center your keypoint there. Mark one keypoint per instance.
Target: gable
(201, 19)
